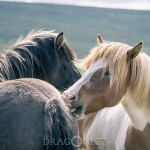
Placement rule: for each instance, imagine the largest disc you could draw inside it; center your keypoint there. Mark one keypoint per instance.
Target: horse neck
(137, 99)
(140, 116)
(138, 132)
(14, 67)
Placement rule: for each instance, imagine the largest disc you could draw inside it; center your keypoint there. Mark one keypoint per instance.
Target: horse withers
(33, 116)
(113, 97)
(43, 55)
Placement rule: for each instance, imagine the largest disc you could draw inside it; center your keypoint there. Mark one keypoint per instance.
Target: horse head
(109, 73)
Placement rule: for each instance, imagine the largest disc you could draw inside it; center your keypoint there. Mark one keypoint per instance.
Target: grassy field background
(79, 24)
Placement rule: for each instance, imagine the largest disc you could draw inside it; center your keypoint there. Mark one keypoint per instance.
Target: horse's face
(67, 73)
(92, 92)
(100, 86)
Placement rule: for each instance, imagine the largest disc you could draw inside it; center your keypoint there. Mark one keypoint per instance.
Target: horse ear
(59, 39)
(133, 52)
(99, 39)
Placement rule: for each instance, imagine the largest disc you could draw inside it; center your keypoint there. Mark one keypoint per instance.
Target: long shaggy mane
(115, 55)
(36, 48)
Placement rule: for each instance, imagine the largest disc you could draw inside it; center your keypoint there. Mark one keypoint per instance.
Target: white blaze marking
(74, 90)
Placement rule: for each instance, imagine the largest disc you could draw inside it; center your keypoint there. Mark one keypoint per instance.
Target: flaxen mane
(139, 67)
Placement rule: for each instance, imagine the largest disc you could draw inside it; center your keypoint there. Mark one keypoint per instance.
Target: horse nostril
(73, 97)
(69, 96)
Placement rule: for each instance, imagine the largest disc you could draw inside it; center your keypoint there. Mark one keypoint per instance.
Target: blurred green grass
(80, 24)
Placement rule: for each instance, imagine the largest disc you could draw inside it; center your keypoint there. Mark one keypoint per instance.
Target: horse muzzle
(76, 108)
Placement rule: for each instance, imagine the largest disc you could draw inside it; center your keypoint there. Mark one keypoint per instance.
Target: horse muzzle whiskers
(76, 108)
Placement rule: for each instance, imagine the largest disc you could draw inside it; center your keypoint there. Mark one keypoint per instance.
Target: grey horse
(33, 116)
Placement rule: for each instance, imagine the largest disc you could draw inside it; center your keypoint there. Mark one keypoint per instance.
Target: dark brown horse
(41, 54)
(33, 116)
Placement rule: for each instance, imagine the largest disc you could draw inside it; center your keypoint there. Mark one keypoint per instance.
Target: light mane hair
(6, 69)
(115, 55)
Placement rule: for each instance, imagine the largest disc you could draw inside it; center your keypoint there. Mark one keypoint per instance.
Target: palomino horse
(116, 75)
(41, 54)
(33, 116)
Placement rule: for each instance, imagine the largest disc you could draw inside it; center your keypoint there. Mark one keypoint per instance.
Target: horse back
(30, 111)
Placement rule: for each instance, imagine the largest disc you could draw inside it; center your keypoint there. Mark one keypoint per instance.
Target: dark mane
(30, 53)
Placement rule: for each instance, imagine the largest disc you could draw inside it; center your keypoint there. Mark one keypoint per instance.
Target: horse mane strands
(139, 84)
(139, 68)
(106, 51)
(29, 39)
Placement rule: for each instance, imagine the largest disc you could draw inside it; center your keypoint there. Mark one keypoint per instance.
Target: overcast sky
(125, 4)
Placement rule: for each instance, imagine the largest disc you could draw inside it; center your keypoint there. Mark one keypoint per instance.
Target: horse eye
(107, 73)
(64, 54)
